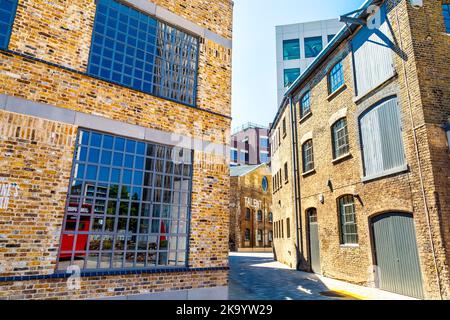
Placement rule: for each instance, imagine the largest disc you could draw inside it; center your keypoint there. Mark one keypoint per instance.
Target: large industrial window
(446, 12)
(313, 46)
(7, 14)
(340, 138)
(290, 75)
(305, 104)
(132, 49)
(291, 49)
(381, 139)
(128, 204)
(308, 156)
(347, 216)
(336, 77)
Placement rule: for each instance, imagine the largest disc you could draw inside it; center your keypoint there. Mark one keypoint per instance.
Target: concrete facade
(251, 225)
(46, 96)
(300, 31)
(420, 54)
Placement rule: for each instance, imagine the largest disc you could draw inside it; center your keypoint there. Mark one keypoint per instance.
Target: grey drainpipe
(296, 179)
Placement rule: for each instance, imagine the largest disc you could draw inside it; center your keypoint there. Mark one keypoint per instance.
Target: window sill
(305, 117)
(349, 246)
(342, 158)
(386, 174)
(336, 92)
(308, 173)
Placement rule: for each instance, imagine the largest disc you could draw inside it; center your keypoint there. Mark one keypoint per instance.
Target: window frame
(305, 100)
(336, 74)
(10, 24)
(308, 166)
(446, 16)
(343, 149)
(286, 73)
(309, 54)
(343, 222)
(166, 75)
(159, 153)
(290, 42)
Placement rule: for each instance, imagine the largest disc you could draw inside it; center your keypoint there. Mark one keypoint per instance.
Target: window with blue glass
(446, 12)
(336, 77)
(234, 156)
(330, 37)
(264, 157)
(290, 75)
(264, 142)
(291, 49)
(7, 14)
(313, 46)
(305, 104)
(137, 51)
(128, 204)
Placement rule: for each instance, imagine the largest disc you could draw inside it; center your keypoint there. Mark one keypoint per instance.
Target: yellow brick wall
(37, 154)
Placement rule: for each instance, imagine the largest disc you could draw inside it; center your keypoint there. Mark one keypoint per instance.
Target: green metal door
(396, 254)
(314, 244)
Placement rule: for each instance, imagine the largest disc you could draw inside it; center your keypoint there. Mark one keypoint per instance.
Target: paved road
(259, 277)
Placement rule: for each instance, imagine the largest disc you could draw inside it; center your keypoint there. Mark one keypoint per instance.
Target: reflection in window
(137, 51)
(7, 15)
(336, 77)
(290, 75)
(313, 46)
(128, 204)
(291, 49)
(446, 12)
(305, 104)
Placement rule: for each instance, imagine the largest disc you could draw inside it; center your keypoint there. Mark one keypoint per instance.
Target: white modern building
(297, 46)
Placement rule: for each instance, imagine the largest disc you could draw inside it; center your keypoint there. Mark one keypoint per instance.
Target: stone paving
(256, 276)
(259, 277)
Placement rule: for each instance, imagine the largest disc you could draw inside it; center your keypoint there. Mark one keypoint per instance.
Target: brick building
(114, 135)
(367, 152)
(251, 219)
(250, 145)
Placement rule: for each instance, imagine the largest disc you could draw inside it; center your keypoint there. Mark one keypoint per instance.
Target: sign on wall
(253, 203)
(7, 190)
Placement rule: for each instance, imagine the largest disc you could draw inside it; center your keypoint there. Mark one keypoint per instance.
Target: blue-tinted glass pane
(313, 46)
(291, 49)
(330, 37)
(290, 75)
(336, 77)
(7, 14)
(119, 29)
(446, 12)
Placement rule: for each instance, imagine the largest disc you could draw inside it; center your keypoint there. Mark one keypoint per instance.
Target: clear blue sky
(254, 55)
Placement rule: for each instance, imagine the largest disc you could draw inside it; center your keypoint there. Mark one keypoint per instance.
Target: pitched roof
(243, 170)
